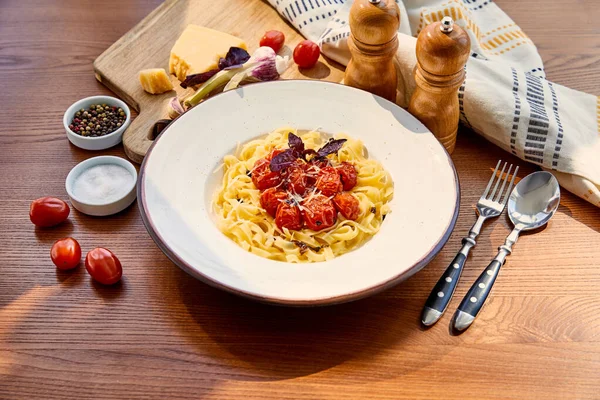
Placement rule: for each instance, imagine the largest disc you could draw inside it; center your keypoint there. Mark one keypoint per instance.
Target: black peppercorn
(97, 120)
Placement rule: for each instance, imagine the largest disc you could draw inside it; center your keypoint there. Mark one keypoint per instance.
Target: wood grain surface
(163, 335)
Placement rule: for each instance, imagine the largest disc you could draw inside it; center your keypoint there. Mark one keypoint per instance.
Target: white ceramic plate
(177, 180)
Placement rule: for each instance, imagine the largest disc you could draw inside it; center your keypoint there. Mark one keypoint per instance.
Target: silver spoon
(531, 205)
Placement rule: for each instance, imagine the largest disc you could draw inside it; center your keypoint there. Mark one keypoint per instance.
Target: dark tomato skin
(273, 39)
(306, 54)
(348, 175)
(329, 182)
(48, 211)
(297, 180)
(262, 176)
(288, 216)
(347, 205)
(103, 266)
(271, 198)
(319, 213)
(66, 253)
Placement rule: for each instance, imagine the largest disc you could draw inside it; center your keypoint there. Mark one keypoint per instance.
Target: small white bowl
(99, 142)
(101, 208)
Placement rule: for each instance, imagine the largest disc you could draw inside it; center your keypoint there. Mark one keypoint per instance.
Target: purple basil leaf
(332, 146)
(296, 144)
(283, 160)
(196, 79)
(235, 55)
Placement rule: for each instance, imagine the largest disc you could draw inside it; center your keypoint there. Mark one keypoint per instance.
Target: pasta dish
(302, 197)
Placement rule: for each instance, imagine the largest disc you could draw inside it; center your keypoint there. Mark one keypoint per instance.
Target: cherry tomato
(66, 253)
(103, 266)
(263, 177)
(306, 54)
(328, 181)
(319, 213)
(347, 205)
(273, 39)
(48, 211)
(297, 180)
(348, 175)
(319, 162)
(271, 198)
(288, 216)
(273, 153)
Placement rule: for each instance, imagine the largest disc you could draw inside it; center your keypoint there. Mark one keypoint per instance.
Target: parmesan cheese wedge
(155, 80)
(198, 50)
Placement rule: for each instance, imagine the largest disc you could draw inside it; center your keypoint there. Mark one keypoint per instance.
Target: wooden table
(162, 335)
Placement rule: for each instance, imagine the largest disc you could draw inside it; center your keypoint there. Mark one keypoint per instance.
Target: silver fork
(490, 205)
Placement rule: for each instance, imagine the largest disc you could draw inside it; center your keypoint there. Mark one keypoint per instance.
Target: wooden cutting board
(149, 43)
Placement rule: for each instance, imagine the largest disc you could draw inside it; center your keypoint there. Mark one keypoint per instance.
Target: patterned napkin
(505, 97)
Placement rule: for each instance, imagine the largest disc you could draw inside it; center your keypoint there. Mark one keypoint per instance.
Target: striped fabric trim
(539, 123)
(458, 11)
(503, 38)
(480, 6)
(514, 46)
(315, 9)
(517, 114)
(461, 105)
(497, 29)
(454, 9)
(559, 137)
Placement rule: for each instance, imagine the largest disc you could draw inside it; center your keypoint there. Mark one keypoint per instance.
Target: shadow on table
(275, 343)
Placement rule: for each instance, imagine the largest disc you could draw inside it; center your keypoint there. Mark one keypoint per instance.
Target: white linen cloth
(505, 97)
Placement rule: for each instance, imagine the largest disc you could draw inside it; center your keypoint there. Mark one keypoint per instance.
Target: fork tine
(487, 189)
(498, 182)
(508, 191)
(499, 195)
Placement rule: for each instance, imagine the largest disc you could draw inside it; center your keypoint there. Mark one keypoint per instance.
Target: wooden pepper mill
(373, 43)
(442, 52)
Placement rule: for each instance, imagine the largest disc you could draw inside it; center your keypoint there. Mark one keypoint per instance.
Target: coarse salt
(102, 183)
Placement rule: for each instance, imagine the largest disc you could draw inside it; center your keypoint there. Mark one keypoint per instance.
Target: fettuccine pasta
(240, 216)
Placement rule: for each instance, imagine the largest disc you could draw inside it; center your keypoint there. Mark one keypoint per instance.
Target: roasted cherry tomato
(263, 177)
(271, 198)
(273, 153)
(288, 216)
(297, 180)
(328, 181)
(103, 266)
(319, 213)
(348, 175)
(273, 39)
(347, 205)
(320, 162)
(66, 253)
(306, 54)
(48, 211)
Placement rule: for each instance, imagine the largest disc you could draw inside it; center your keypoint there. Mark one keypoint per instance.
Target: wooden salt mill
(373, 43)
(442, 52)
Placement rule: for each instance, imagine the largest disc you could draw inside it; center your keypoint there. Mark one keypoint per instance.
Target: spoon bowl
(534, 200)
